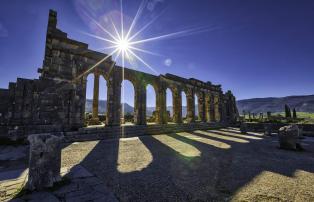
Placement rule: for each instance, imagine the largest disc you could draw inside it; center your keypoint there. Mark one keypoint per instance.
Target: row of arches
(128, 102)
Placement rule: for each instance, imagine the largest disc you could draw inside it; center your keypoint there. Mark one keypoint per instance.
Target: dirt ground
(213, 165)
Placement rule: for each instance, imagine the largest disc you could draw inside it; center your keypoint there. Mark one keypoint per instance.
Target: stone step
(101, 133)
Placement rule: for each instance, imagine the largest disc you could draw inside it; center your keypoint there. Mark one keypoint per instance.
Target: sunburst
(124, 44)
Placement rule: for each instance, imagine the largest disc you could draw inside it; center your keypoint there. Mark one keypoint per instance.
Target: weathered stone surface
(44, 161)
(289, 137)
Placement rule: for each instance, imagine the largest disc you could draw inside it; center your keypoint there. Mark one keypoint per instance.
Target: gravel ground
(215, 165)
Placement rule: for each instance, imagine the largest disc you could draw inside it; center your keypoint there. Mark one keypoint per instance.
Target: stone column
(95, 119)
(161, 109)
(217, 108)
(44, 161)
(207, 107)
(84, 82)
(223, 109)
(212, 108)
(177, 105)
(190, 100)
(201, 106)
(140, 105)
(114, 99)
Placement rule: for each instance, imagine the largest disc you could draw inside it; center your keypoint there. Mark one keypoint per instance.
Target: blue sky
(256, 48)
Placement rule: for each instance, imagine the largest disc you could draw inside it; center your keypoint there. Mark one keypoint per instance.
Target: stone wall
(56, 101)
(308, 129)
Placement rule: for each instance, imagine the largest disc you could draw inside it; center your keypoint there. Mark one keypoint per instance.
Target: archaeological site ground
(53, 149)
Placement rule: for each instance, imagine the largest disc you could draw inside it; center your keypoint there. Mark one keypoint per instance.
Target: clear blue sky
(256, 48)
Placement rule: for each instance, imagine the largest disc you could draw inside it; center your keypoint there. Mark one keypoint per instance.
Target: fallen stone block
(289, 137)
(45, 161)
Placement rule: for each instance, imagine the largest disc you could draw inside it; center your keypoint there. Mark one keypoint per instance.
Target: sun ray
(99, 37)
(95, 65)
(140, 59)
(138, 14)
(145, 51)
(107, 47)
(165, 36)
(122, 26)
(115, 29)
(146, 26)
(101, 27)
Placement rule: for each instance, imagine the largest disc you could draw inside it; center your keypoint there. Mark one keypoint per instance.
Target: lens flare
(123, 43)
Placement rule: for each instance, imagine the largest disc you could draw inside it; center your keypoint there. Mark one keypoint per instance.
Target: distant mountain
(256, 105)
(102, 105)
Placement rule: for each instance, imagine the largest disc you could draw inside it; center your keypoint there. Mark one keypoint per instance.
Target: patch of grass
(279, 117)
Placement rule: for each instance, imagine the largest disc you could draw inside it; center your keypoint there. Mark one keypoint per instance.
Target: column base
(94, 121)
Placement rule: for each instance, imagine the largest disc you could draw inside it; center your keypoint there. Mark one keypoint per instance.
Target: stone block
(44, 161)
(289, 137)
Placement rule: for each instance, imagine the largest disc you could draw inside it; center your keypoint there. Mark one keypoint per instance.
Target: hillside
(257, 105)
(129, 109)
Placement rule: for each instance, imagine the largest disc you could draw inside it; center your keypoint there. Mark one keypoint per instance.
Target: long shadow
(220, 137)
(236, 135)
(238, 132)
(165, 174)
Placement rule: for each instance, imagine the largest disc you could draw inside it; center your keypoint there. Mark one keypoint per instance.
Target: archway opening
(150, 104)
(127, 103)
(89, 98)
(102, 102)
(184, 107)
(169, 104)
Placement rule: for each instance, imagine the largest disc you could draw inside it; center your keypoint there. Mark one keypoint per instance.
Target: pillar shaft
(207, 107)
(217, 109)
(114, 100)
(190, 100)
(95, 99)
(140, 105)
(84, 82)
(177, 106)
(161, 109)
(201, 107)
(212, 108)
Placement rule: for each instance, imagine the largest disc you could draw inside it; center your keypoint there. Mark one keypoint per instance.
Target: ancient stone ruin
(44, 161)
(56, 100)
(289, 137)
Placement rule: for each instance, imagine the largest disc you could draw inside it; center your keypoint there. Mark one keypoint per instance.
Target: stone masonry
(56, 100)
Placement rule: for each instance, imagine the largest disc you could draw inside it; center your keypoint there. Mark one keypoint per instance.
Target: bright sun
(123, 45)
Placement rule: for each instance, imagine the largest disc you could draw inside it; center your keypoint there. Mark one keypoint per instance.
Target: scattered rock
(289, 137)
(45, 161)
